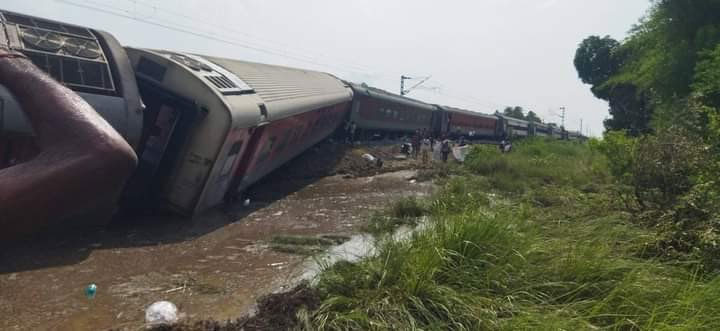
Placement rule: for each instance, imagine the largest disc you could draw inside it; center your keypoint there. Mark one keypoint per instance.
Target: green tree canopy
(514, 112)
(532, 117)
(650, 77)
(596, 59)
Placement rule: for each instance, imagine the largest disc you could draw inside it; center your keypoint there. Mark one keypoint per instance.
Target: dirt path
(213, 267)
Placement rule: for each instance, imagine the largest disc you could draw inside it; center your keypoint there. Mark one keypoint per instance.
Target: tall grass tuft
(529, 241)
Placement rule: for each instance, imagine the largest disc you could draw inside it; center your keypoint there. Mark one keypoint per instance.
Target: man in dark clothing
(445, 149)
(416, 144)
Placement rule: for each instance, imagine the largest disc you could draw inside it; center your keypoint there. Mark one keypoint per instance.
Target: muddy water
(359, 246)
(214, 266)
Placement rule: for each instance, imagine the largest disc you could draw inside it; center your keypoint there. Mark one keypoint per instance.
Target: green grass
(531, 240)
(305, 245)
(403, 212)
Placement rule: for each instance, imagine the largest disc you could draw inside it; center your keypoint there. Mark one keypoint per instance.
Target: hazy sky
(482, 55)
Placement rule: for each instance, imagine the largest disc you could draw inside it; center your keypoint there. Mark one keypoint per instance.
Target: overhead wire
(225, 27)
(197, 33)
(218, 37)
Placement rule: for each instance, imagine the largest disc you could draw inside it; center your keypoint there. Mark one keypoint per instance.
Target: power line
(195, 32)
(223, 27)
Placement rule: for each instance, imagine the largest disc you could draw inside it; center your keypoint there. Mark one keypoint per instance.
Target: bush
(665, 166)
(534, 163)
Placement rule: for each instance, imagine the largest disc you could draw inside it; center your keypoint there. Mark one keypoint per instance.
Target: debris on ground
(276, 311)
(161, 313)
(332, 158)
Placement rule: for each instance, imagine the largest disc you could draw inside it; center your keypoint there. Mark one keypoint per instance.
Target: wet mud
(213, 267)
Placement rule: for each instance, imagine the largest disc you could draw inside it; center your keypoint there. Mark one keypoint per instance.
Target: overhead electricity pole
(581, 126)
(403, 78)
(563, 117)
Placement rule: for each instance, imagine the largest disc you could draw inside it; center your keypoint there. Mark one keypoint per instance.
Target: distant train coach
(88, 61)
(472, 124)
(378, 111)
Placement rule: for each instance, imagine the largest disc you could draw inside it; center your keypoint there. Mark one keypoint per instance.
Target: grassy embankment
(530, 240)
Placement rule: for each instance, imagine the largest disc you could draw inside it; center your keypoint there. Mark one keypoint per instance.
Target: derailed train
(205, 128)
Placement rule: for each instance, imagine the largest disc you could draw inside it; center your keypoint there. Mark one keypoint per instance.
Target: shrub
(665, 166)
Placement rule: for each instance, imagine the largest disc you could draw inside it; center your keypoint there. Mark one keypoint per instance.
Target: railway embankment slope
(535, 239)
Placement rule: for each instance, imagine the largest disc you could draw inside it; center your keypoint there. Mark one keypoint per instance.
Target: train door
(440, 122)
(167, 120)
(246, 159)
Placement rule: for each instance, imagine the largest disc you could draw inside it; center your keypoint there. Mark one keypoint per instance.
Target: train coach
(513, 128)
(376, 111)
(213, 126)
(540, 130)
(90, 62)
(471, 124)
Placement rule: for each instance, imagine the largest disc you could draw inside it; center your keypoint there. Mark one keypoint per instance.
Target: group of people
(423, 143)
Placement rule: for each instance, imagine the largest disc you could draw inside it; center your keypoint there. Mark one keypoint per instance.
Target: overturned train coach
(214, 126)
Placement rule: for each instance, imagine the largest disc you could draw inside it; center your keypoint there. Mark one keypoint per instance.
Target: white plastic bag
(161, 313)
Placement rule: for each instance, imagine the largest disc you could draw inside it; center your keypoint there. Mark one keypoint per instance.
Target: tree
(629, 108)
(596, 59)
(532, 117)
(514, 112)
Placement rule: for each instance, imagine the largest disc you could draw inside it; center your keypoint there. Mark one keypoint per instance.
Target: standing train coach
(376, 111)
(513, 128)
(471, 124)
(540, 129)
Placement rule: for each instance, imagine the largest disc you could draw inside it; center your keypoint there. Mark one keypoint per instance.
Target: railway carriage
(574, 135)
(541, 130)
(470, 124)
(378, 111)
(90, 62)
(514, 128)
(214, 126)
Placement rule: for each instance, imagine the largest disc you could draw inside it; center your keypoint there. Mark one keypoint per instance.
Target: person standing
(445, 150)
(425, 148)
(416, 144)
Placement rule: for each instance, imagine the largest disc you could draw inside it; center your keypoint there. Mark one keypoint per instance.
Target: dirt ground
(214, 266)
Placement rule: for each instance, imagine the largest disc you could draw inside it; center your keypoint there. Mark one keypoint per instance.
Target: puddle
(358, 247)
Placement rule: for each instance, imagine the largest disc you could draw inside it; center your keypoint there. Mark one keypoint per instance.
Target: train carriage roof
(373, 92)
(513, 120)
(467, 112)
(287, 91)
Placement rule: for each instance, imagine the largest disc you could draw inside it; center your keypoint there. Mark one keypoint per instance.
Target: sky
(481, 55)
